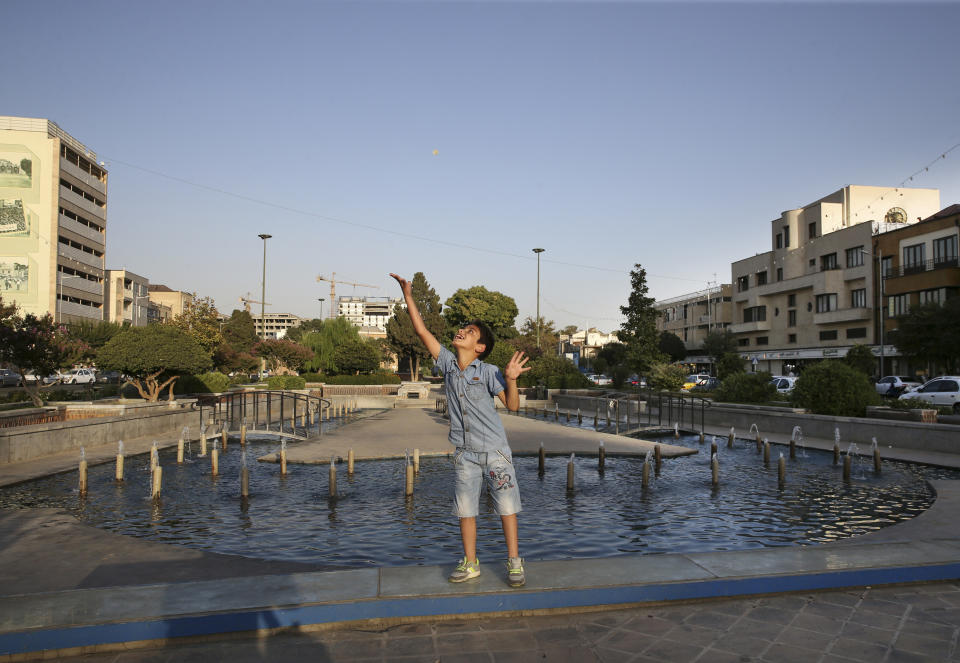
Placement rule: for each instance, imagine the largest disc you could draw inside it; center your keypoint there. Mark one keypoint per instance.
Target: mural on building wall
(14, 275)
(16, 171)
(13, 221)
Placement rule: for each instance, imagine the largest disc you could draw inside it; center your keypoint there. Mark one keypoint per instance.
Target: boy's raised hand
(516, 366)
(404, 284)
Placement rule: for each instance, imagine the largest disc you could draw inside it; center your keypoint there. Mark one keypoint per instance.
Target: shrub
(747, 388)
(919, 404)
(372, 378)
(286, 382)
(834, 388)
(204, 383)
(730, 363)
(569, 381)
(666, 377)
(312, 377)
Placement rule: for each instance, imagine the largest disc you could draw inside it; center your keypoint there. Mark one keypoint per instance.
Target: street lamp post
(321, 300)
(538, 252)
(263, 299)
(879, 258)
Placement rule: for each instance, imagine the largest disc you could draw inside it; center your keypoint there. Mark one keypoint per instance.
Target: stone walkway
(893, 624)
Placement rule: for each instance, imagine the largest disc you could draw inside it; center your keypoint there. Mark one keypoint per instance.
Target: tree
(94, 334)
(202, 322)
(569, 330)
(719, 343)
(527, 340)
(833, 388)
(639, 331)
(930, 334)
(477, 303)
(324, 342)
(402, 338)
(35, 344)
(154, 357)
(672, 346)
(297, 333)
(283, 354)
(860, 357)
(357, 356)
(239, 332)
(666, 377)
(728, 364)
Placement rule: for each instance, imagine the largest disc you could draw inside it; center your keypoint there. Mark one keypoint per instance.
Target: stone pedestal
(413, 391)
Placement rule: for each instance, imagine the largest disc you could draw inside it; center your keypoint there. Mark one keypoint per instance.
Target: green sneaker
(465, 570)
(515, 575)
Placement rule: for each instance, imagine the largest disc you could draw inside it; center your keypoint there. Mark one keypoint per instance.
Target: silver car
(898, 383)
(943, 391)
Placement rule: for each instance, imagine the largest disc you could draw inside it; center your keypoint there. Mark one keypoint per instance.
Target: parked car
(894, 385)
(80, 376)
(9, 378)
(29, 378)
(636, 381)
(784, 384)
(600, 379)
(110, 377)
(693, 380)
(943, 391)
(710, 384)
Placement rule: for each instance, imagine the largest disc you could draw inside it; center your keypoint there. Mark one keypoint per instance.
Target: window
(857, 332)
(743, 283)
(755, 314)
(855, 256)
(779, 273)
(742, 342)
(786, 236)
(792, 300)
(886, 267)
(829, 335)
(813, 262)
(913, 258)
(858, 298)
(812, 230)
(792, 318)
(936, 296)
(945, 252)
(762, 278)
(791, 338)
(827, 302)
(779, 240)
(828, 261)
(761, 340)
(898, 305)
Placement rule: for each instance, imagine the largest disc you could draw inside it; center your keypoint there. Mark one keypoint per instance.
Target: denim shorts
(496, 468)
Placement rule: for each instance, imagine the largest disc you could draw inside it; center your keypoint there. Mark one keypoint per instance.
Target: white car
(80, 376)
(784, 384)
(943, 391)
(899, 384)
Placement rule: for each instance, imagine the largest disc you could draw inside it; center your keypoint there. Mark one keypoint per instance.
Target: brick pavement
(909, 623)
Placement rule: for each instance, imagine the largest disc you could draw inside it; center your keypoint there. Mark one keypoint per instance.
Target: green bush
(205, 383)
(370, 378)
(286, 382)
(666, 377)
(747, 388)
(569, 381)
(918, 404)
(834, 388)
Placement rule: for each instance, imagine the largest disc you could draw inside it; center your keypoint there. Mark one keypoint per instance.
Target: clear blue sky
(607, 133)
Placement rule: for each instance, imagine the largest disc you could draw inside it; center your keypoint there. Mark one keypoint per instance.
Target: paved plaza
(98, 596)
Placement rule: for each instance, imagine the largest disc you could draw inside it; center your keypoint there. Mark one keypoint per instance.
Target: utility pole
(538, 252)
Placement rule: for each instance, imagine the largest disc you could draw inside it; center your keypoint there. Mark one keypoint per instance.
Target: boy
(482, 452)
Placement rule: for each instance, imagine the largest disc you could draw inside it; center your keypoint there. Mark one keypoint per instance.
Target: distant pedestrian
(482, 451)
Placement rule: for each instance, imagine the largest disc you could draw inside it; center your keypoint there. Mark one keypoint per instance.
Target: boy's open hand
(515, 367)
(404, 284)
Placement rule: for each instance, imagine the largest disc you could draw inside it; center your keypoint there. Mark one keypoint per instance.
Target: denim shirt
(474, 422)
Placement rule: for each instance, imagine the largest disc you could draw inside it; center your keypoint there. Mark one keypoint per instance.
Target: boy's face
(468, 338)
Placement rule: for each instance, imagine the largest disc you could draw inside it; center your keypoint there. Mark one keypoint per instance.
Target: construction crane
(333, 289)
(246, 301)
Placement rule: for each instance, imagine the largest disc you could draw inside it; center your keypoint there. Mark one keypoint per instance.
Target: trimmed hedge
(286, 382)
(212, 382)
(747, 388)
(834, 388)
(371, 378)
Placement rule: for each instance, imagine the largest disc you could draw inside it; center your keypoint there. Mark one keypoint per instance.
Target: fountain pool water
(371, 523)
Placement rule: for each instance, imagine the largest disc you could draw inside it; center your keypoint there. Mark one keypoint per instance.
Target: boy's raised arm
(429, 340)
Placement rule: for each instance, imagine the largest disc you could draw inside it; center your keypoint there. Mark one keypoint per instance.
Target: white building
(368, 313)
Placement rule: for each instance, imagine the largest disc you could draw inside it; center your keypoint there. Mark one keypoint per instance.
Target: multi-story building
(813, 296)
(692, 316)
(277, 324)
(585, 343)
(919, 265)
(167, 301)
(53, 221)
(126, 298)
(368, 313)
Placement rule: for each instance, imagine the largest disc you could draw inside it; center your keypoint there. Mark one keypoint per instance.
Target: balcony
(748, 327)
(920, 267)
(84, 176)
(842, 315)
(82, 230)
(80, 256)
(69, 282)
(79, 310)
(83, 203)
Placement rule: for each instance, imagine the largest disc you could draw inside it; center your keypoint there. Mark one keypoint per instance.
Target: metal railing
(920, 267)
(270, 412)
